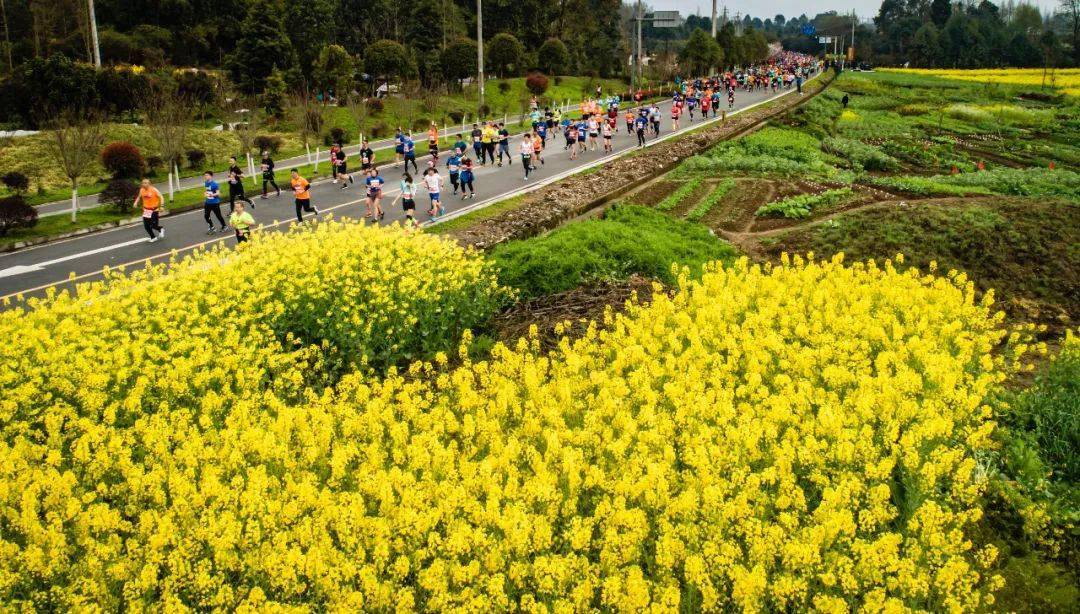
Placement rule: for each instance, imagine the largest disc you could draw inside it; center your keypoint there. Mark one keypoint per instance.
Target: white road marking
(19, 269)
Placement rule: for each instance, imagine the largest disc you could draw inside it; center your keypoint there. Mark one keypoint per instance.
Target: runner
(241, 221)
(730, 97)
(654, 115)
(367, 157)
(467, 179)
(410, 153)
(582, 134)
(453, 164)
(572, 140)
(629, 117)
(488, 137)
(150, 198)
(606, 131)
(434, 181)
(433, 142)
(212, 202)
(641, 124)
(334, 149)
(236, 185)
(399, 145)
(504, 145)
(302, 196)
(477, 142)
(526, 154)
(538, 149)
(408, 199)
(594, 133)
(676, 110)
(267, 166)
(373, 202)
(342, 168)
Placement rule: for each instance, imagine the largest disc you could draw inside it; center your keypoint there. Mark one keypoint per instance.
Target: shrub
(456, 117)
(339, 135)
(195, 158)
(420, 125)
(154, 164)
(268, 142)
(123, 160)
(375, 106)
(504, 87)
(15, 181)
(119, 194)
(378, 130)
(629, 239)
(682, 193)
(15, 213)
(537, 83)
(483, 111)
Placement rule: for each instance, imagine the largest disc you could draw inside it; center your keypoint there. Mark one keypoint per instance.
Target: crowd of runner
(592, 129)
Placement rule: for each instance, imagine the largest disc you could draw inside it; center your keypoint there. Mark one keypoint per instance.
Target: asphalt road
(32, 270)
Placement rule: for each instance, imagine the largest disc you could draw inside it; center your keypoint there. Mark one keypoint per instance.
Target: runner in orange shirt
(302, 194)
(150, 199)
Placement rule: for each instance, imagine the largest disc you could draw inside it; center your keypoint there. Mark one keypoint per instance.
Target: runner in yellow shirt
(488, 138)
(241, 221)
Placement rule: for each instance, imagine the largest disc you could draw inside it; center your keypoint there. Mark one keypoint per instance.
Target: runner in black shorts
(367, 157)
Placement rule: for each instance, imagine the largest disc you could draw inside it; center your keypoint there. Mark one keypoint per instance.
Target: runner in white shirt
(526, 154)
(605, 129)
(434, 181)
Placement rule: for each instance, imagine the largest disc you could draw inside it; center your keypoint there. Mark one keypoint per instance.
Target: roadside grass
(628, 240)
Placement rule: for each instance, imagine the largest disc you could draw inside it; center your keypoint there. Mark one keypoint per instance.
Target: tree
(940, 11)
(309, 28)
(553, 57)
(42, 88)
(701, 53)
(333, 71)
(75, 138)
(123, 160)
(925, 49)
(275, 95)
(1022, 52)
(458, 60)
(1027, 19)
(168, 115)
(387, 59)
(505, 53)
(1071, 10)
(263, 47)
(309, 116)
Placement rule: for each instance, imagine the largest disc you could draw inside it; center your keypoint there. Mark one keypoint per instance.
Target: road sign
(809, 29)
(824, 40)
(667, 19)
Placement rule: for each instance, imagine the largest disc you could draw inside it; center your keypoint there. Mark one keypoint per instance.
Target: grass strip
(710, 200)
(675, 198)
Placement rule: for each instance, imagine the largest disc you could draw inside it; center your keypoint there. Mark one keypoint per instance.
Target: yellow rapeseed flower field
(806, 436)
(1067, 80)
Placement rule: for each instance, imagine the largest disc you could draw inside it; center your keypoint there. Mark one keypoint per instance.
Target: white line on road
(19, 269)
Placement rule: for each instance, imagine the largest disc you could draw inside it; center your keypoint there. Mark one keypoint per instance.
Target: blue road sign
(809, 29)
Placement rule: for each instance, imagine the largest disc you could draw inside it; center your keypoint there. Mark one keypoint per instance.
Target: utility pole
(852, 36)
(94, 35)
(637, 60)
(714, 18)
(480, 49)
(7, 36)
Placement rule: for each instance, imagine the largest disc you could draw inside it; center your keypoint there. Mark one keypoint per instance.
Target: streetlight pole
(714, 18)
(480, 49)
(94, 34)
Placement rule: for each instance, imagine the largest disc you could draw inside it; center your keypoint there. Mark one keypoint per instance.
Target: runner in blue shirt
(212, 203)
(399, 145)
(640, 125)
(453, 163)
(374, 183)
(410, 153)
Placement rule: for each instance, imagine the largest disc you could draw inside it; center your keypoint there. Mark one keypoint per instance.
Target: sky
(864, 9)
